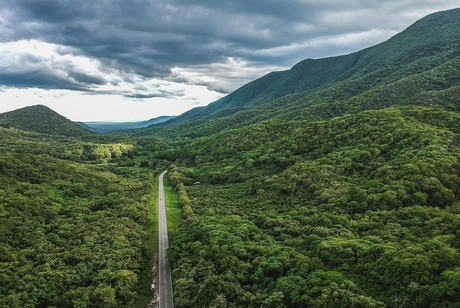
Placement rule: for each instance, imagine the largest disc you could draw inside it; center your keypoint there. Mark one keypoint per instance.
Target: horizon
(128, 122)
(136, 68)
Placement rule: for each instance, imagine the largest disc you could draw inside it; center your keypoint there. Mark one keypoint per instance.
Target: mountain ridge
(427, 44)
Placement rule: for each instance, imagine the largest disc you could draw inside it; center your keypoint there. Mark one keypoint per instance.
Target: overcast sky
(131, 60)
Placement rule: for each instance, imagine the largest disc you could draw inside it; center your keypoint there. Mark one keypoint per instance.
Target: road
(165, 292)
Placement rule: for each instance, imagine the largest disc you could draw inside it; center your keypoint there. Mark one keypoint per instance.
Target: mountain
(41, 119)
(418, 66)
(104, 127)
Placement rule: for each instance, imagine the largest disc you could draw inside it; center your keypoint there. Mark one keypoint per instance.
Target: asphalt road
(165, 292)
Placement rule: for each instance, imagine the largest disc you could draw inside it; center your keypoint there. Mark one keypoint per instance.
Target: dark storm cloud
(38, 80)
(82, 78)
(150, 37)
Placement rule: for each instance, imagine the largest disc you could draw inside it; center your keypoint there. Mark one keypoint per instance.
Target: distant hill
(103, 127)
(41, 119)
(419, 66)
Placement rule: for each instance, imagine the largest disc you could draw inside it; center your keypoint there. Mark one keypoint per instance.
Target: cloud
(328, 45)
(113, 46)
(46, 65)
(36, 64)
(159, 93)
(222, 77)
(151, 37)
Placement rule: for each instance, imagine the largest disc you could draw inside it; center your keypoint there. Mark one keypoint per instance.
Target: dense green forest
(73, 220)
(333, 184)
(358, 211)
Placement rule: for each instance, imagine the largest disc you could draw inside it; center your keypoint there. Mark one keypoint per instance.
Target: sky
(119, 60)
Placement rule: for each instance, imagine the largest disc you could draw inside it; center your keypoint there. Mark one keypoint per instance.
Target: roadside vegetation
(74, 232)
(150, 247)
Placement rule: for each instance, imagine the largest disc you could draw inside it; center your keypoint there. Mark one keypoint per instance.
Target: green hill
(41, 119)
(415, 67)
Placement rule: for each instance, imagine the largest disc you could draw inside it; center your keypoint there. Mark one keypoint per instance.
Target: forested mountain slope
(416, 66)
(41, 119)
(358, 211)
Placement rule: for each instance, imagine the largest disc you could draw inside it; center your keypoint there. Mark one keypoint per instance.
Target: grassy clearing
(173, 210)
(150, 246)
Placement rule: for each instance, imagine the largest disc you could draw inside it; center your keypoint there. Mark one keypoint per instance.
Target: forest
(76, 222)
(359, 211)
(362, 210)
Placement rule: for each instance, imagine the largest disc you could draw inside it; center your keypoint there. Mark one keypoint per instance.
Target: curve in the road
(165, 293)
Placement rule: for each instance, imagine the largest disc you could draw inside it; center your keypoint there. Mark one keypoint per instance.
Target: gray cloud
(152, 39)
(161, 93)
(38, 80)
(82, 78)
(27, 64)
(152, 91)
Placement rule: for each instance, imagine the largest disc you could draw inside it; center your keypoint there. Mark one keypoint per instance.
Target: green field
(173, 209)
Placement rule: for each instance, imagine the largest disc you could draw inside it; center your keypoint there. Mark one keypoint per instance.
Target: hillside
(357, 211)
(417, 66)
(41, 119)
